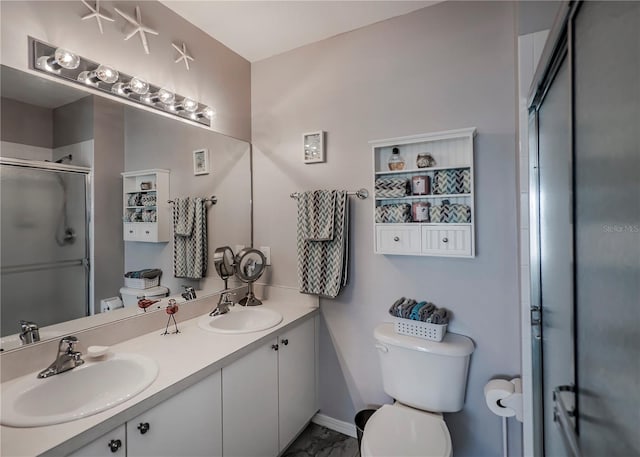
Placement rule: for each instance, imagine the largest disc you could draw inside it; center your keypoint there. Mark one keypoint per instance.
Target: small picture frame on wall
(313, 146)
(201, 162)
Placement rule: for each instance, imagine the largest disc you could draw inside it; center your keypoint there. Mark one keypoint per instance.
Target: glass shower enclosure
(44, 224)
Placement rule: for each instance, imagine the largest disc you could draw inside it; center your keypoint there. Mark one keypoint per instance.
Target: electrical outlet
(266, 250)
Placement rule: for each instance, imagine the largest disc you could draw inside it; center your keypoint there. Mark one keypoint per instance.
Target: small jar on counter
(420, 185)
(420, 211)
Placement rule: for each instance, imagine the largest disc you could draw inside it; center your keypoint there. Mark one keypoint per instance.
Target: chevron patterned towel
(323, 265)
(189, 238)
(315, 214)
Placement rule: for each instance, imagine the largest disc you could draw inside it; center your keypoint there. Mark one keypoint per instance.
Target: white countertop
(183, 359)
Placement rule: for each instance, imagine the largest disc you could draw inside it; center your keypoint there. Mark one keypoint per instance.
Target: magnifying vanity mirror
(250, 264)
(63, 154)
(224, 262)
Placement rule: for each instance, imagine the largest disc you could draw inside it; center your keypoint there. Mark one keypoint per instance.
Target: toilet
(426, 378)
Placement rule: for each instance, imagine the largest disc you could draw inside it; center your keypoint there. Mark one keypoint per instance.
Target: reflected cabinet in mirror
(66, 206)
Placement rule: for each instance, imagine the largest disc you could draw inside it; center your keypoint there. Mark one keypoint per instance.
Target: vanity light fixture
(61, 58)
(105, 78)
(103, 73)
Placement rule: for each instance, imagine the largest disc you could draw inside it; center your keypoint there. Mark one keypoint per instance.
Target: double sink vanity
(242, 383)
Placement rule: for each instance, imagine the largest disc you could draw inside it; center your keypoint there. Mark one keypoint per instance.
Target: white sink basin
(241, 320)
(83, 391)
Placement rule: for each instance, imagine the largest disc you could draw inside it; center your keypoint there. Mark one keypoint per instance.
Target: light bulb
(61, 58)
(165, 96)
(106, 74)
(209, 113)
(139, 86)
(189, 105)
(119, 89)
(86, 77)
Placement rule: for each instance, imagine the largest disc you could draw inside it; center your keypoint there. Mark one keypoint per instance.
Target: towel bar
(360, 193)
(213, 199)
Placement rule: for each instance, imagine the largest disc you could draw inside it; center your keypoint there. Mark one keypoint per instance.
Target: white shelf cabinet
(451, 150)
(154, 182)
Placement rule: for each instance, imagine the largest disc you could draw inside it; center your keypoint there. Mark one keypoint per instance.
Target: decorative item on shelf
(139, 27)
(455, 181)
(134, 199)
(396, 213)
(146, 185)
(171, 310)
(420, 211)
(420, 185)
(313, 147)
(201, 162)
(391, 187)
(425, 160)
(396, 162)
(451, 213)
(184, 56)
(72, 67)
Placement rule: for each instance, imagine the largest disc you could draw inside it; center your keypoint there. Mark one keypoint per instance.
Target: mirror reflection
(85, 186)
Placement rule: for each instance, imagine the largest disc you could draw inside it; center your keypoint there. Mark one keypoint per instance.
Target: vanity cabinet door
(187, 424)
(296, 380)
(250, 404)
(110, 444)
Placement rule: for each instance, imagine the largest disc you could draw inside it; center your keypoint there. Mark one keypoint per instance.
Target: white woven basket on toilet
(433, 332)
(141, 283)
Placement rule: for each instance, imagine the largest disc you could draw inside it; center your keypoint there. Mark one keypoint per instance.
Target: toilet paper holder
(504, 397)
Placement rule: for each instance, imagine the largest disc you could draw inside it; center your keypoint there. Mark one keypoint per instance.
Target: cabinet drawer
(397, 239)
(130, 231)
(451, 240)
(147, 231)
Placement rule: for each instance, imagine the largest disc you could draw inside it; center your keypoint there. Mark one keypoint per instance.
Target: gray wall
(534, 16)
(26, 124)
(218, 76)
(73, 122)
(448, 66)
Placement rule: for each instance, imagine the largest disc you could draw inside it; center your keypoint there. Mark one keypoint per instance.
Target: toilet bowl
(426, 378)
(397, 430)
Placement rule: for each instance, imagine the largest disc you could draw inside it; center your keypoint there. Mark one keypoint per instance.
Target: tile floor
(318, 441)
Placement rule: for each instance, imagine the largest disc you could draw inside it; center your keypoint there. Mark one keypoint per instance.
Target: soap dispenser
(396, 162)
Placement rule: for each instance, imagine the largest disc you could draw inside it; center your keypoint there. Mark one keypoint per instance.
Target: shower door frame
(57, 167)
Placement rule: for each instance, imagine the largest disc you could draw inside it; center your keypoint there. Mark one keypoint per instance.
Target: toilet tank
(424, 374)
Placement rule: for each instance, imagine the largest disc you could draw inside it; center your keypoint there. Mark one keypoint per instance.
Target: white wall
(448, 66)
(218, 76)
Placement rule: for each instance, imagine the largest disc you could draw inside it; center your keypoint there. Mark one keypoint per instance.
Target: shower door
(585, 235)
(44, 238)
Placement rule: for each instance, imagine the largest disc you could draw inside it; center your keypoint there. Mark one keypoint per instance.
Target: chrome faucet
(223, 303)
(189, 293)
(67, 359)
(29, 332)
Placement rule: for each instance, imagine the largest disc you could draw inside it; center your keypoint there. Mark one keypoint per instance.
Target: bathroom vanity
(216, 394)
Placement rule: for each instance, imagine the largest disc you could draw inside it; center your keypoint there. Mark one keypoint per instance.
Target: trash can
(361, 419)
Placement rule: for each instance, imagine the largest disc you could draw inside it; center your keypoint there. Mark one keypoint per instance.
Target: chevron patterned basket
(392, 187)
(393, 214)
(450, 213)
(456, 181)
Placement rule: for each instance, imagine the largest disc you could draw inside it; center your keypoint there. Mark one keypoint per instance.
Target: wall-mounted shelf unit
(440, 222)
(147, 213)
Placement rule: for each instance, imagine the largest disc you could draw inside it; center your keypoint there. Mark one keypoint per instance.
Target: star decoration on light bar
(183, 54)
(95, 12)
(139, 28)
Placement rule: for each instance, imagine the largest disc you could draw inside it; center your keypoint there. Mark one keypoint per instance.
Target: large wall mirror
(64, 210)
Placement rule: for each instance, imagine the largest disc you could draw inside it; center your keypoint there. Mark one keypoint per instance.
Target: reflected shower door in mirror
(44, 223)
(44, 122)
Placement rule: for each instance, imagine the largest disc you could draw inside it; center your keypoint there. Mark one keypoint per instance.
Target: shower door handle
(536, 322)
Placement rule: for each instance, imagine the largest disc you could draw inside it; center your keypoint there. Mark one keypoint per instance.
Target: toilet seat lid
(397, 430)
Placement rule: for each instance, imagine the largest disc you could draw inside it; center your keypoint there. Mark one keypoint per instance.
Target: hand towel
(316, 210)
(323, 265)
(190, 238)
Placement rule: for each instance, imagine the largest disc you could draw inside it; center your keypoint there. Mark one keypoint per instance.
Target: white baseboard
(345, 428)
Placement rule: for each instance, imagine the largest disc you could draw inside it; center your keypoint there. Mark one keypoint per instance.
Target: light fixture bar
(69, 66)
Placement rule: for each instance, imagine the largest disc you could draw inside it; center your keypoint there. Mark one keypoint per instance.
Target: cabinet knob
(114, 445)
(396, 238)
(146, 231)
(143, 427)
(274, 347)
(285, 341)
(445, 240)
(130, 231)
